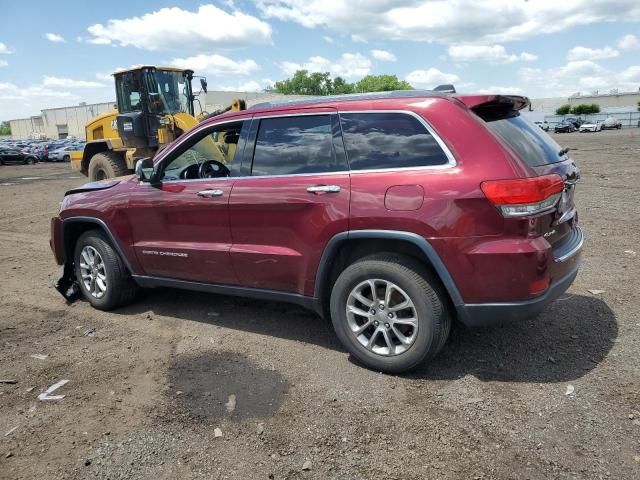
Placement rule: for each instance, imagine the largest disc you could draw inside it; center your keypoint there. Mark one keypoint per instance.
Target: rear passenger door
(293, 197)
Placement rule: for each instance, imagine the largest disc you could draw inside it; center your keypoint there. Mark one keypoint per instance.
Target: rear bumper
(486, 314)
(565, 265)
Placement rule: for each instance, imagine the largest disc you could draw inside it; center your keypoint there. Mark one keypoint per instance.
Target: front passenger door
(180, 226)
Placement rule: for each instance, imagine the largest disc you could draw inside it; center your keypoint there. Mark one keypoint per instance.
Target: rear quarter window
(389, 140)
(528, 141)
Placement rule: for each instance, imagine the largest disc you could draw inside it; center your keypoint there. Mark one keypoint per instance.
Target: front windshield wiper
(563, 152)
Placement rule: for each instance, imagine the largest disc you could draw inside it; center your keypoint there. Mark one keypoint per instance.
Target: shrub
(563, 109)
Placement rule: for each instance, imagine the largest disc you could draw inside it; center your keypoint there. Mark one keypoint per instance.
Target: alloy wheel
(382, 317)
(92, 270)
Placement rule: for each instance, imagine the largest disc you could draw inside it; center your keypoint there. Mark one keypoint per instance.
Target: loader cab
(146, 96)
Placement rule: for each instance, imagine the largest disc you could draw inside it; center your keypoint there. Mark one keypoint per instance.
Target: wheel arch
(74, 227)
(347, 247)
(90, 149)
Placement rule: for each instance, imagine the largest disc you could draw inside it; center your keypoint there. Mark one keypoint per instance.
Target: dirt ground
(190, 385)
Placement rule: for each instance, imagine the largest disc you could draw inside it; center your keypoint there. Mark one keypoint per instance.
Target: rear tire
(28, 161)
(66, 158)
(101, 273)
(357, 315)
(105, 165)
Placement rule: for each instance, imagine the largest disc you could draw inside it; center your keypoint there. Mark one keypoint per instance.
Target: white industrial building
(55, 123)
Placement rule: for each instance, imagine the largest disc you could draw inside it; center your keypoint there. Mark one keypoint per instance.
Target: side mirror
(203, 84)
(144, 169)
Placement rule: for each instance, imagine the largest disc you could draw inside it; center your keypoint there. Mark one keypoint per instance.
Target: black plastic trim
(420, 242)
(103, 226)
(487, 314)
(234, 290)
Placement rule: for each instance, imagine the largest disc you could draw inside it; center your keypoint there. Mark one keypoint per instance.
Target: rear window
(529, 141)
(388, 140)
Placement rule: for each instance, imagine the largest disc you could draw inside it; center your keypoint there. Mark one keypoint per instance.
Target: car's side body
(274, 236)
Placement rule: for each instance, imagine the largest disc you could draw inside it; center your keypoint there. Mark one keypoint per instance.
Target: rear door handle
(324, 189)
(210, 193)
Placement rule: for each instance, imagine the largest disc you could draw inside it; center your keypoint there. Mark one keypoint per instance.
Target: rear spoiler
(494, 107)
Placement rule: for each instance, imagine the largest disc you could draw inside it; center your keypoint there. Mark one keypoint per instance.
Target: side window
(388, 140)
(210, 155)
(293, 145)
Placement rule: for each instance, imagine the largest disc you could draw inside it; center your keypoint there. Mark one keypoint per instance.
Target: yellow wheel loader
(154, 107)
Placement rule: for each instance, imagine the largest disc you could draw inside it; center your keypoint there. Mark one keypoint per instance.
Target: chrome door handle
(324, 189)
(210, 193)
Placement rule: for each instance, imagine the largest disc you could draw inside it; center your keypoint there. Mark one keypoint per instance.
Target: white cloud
(430, 78)
(487, 53)
(383, 55)
(216, 65)
(4, 49)
(500, 90)
(207, 28)
(104, 77)
(3, 63)
(629, 42)
(449, 21)
(349, 65)
(251, 86)
(54, 37)
(585, 53)
(581, 75)
(328, 39)
(61, 82)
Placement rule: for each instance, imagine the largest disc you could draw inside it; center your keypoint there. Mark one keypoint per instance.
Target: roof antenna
(446, 88)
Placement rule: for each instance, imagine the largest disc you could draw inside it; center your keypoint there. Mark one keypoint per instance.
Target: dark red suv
(393, 213)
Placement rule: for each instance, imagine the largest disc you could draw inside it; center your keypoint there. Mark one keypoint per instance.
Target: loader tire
(105, 165)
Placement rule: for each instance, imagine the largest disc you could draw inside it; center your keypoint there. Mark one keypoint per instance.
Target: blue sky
(61, 53)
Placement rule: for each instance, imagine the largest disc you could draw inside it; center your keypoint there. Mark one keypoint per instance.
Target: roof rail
(359, 96)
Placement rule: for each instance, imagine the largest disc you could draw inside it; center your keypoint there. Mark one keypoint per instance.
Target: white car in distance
(592, 126)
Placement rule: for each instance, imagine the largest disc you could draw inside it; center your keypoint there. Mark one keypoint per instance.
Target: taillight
(524, 196)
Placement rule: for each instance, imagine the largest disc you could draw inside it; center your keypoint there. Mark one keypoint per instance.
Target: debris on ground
(39, 356)
(231, 403)
(570, 390)
(46, 395)
(260, 429)
(307, 465)
(90, 332)
(595, 291)
(217, 432)
(8, 380)
(11, 431)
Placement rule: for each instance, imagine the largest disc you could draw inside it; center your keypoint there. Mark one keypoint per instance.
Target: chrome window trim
(451, 159)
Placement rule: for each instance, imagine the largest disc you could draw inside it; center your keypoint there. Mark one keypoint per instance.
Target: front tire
(66, 158)
(387, 312)
(105, 165)
(101, 273)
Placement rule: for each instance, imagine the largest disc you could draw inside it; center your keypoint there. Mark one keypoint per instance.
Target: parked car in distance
(543, 125)
(575, 121)
(565, 126)
(612, 123)
(63, 154)
(591, 126)
(378, 210)
(14, 155)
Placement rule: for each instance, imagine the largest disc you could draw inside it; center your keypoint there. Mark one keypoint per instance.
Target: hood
(92, 186)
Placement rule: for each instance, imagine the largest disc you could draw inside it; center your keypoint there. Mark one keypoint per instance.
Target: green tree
(5, 128)
(585, 109)
(303, 83)
(321, 83)
(563, 109)
(381, 83)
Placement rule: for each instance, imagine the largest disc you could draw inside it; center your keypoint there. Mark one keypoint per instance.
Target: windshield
(169, 92)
